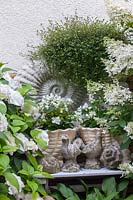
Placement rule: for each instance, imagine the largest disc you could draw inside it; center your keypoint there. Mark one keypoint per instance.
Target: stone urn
(92, 138)
(53, 157)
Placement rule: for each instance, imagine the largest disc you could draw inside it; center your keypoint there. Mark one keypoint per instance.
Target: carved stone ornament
(99, 148)
(46, 81)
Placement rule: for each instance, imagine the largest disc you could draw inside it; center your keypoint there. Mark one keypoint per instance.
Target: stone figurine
(98, 146)
(70, 151)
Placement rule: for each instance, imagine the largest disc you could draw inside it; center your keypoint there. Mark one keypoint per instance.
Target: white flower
(129, 129)
(85, 106)
(55, 101)
(13, 97)
(56, 120)
(12, 189)
(16, 98)
(26, 144)
(4, 91)
(3, 123)
(127, 168)
(114, 94)
(34, 111)
(43, 135)
(120, 57)
(14, 84)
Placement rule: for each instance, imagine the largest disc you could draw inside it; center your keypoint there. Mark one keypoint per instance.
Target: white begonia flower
(3, 123)
(13, 97)
(12, 189)
(56, 120)
(14, 84)
(16, 98)
(129, 129)
(26, 144)
(43, 135)
(5, 91)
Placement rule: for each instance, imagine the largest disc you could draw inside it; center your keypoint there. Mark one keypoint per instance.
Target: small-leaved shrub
(74, 48)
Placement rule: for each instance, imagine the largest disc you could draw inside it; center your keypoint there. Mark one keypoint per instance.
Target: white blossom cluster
(120, 11)
(127, 168)
(55, 101)
(82, 113)
(114, 94)
(120, 57)
(3, 123)
(129, 129)
(56, 120)
(12, 96)
(26, 144)
(93, 88)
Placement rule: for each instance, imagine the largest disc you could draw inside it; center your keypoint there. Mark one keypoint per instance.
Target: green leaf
(14, 116)
(4, 161)
(122, 185)
(32, 185)
(1, 64)
(9, 148)
(129, 197)
(122, 123)
(3, 188)
(86, 188)
(32, 160)
(18, 123)
(12, 180)
(113, 123)
(46, 175)
(3, 108)
(91, 197)
(15, 129)
(28, 168)
(35, 195)
(73, 198)
(24, 172)
(41, 190)
(6, 69)
(65, 191)
(41, 142)
(3, 197)
(56, 195)
(111, 196)
(25, 89)
(35, 133)
(99, 194)
(109, 185)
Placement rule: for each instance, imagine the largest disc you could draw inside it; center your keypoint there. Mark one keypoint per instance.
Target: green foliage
(75, 47)
(110, 191)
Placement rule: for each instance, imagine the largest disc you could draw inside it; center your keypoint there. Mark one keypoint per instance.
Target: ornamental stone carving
(96, 144)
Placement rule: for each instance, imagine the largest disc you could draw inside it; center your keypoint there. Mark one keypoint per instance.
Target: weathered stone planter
(99, 148)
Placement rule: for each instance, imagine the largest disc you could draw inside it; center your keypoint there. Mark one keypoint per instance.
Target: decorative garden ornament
(46, 81)
(92, 138)
(98, 146)
(53, 156)
(70, 151)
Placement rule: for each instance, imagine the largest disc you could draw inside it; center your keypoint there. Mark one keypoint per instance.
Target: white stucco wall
(20, 19)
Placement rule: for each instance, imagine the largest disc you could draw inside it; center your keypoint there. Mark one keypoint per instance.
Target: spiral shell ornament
(47, 81)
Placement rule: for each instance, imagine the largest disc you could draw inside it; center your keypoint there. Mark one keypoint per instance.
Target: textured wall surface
(20, 19)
